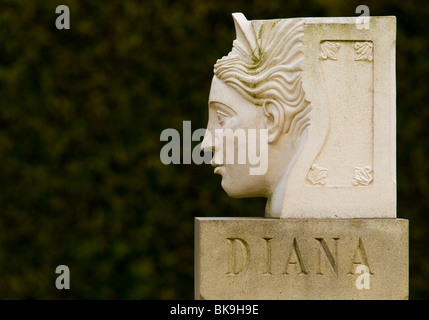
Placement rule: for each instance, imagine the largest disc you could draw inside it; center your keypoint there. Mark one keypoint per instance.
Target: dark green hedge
(81, 113)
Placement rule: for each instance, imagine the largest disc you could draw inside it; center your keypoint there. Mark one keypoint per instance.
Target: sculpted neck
(284, 156)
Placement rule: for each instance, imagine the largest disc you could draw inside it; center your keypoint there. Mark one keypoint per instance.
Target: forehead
(224, 94)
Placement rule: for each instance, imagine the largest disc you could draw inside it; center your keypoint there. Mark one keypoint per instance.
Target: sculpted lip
(217, 168)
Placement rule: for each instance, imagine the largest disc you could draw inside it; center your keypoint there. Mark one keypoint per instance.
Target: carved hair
(264, 64)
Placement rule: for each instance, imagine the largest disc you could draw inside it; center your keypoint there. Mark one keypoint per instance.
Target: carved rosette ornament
(363, 176)
(329, 50)
(364, 51)
(317, 175)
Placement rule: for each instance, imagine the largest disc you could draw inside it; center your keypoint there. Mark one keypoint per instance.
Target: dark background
(81, 113)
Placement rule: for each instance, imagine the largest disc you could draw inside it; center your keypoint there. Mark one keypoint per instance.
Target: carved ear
(274, 119)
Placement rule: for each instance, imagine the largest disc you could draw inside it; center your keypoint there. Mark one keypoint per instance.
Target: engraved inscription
(329, 50)
(364, 51)
(267, 255)
(317, 175)
(331, 258)
(295, 259)
(362, 176)
(303, 257)
(359, 258)
(238, 257)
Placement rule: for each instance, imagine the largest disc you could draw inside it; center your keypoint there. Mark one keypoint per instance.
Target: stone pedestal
(252, 258)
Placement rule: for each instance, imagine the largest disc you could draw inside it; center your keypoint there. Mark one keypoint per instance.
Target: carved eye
(221, 117)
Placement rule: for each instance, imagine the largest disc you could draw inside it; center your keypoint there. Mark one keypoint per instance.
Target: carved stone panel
(347, 167)
(324, 91)
(349, 85)
(239, 258)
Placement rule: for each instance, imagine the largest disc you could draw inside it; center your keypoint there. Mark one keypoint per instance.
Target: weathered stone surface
(246, 258)
(324, 90)
(349, 77)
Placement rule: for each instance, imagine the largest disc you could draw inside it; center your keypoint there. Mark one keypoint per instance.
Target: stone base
(246, 258)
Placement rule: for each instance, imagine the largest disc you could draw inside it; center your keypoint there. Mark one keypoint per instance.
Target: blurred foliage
(81, 113)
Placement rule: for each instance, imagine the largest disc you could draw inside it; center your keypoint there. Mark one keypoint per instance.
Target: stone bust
(258, 85)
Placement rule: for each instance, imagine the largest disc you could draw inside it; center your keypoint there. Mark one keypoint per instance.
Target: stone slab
(252, 258)
(347, 168)
(331, 150)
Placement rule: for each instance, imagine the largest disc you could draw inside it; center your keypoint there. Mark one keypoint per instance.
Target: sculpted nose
(207, 144)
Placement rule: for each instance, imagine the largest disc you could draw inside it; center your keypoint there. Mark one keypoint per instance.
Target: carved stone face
(229, 110)
(257, 94)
